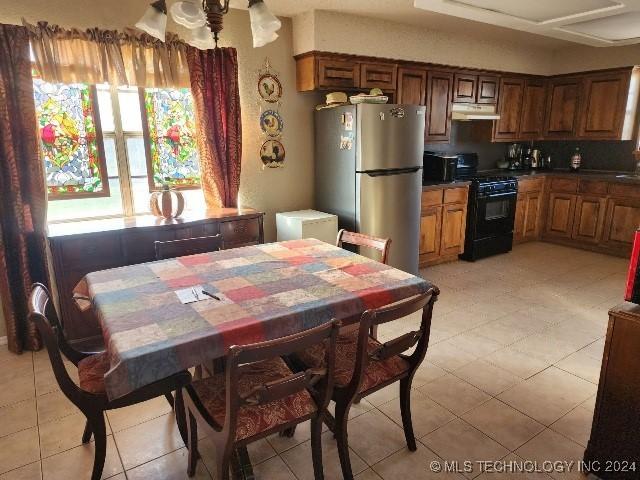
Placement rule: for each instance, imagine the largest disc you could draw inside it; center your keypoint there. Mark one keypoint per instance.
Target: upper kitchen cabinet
(534, 99)
(412, 86)
(439, 96)
(469, 88)
(378, 75)
(509, 108)
(326, 71)
(609, 106)
(563, 107)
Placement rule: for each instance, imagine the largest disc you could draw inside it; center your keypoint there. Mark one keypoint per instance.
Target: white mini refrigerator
(307, 224)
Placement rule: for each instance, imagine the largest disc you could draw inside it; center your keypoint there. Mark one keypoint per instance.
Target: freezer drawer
(388, 206)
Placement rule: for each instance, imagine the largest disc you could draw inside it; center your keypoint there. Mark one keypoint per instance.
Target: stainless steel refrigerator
(368, 172)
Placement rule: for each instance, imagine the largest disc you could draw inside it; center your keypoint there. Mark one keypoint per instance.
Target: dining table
(254, 293)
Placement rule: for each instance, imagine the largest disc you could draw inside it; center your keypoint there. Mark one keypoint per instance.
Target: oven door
(496, 214)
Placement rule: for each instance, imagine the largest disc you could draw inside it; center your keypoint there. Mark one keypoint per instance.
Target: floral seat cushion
(253, 420)
(376, 373)
(91, 372)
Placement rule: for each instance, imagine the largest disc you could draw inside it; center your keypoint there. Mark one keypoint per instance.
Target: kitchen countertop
(607, 176)
(435, 185)
(603, 175)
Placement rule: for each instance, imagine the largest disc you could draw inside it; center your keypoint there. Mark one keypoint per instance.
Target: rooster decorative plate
(271, 123)
(269, 88)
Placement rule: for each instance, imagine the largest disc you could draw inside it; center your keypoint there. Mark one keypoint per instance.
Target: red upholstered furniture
(90, 396)
(258, 395)
(364, 365)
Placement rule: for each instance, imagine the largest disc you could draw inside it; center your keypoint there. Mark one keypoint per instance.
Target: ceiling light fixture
(205, 21)
(154, 20)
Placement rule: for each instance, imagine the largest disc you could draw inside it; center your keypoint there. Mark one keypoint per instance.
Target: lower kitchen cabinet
(593, 214)
(430, 228)
(589, 219)
(622, 219)
(454, 224)
(442, 225)
(562, 207)
(528, 210)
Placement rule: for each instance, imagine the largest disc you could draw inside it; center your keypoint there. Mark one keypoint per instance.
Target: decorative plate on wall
(272, 154)
(271, 123)
(269, 88)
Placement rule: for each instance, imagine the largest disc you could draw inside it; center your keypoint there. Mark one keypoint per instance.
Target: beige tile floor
(511, 374)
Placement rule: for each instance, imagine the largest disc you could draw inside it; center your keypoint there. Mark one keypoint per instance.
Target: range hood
(470, 111)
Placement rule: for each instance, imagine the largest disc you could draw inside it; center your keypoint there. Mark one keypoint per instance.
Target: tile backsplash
(596, 155)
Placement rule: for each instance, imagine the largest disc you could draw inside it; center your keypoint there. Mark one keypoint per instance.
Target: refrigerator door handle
(397, 171)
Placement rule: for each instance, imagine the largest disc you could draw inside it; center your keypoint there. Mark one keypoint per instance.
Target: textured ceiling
(543, 23)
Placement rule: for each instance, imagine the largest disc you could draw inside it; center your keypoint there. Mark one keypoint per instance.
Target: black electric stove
(491, 216)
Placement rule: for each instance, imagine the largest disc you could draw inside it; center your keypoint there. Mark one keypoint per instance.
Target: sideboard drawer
(238, 233)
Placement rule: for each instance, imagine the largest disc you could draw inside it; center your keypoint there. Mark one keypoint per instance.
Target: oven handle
(497, 195)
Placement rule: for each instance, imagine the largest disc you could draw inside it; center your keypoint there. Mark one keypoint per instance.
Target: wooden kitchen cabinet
(561, 212)
(378, 75)
(430, 228)
(604, 106)
(454, 223)
(507, 127)
(615, 431)
(563, 107)
(443, 224)
(589, 219)
(439, 96)
(622, 219)
(338, 73)
(465, 88)
(412, 86)
(534, 100)
(528, 210)
(470, 88)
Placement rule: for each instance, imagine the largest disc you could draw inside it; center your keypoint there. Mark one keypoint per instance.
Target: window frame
(102, 159)
(119, 136)
(147, 147)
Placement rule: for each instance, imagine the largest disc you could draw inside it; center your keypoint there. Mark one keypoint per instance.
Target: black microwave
(445, 167)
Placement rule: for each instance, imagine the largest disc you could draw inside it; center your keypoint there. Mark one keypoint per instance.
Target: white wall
(341, 33)
(581, 57)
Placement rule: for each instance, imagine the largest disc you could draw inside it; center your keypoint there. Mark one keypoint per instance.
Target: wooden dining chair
(89, 396)
(364, 365)
(187, 246)
(259, 395)
(361, 240)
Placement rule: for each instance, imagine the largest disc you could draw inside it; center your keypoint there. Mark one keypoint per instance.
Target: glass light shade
(264, 24)
(202, 38)
(262, 38)
(153, 22)
(188, 14)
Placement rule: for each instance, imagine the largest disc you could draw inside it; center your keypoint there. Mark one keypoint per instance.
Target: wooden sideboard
(615, 433)
(82, 247)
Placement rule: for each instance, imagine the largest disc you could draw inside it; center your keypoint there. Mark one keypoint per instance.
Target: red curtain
(22, 190)
(214, 85)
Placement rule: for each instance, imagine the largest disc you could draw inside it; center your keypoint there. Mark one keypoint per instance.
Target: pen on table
(209, 294)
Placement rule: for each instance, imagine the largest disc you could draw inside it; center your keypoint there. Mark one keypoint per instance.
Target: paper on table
(191, 294)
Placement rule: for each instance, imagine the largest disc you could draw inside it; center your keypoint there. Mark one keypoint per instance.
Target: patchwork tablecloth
(266, 292)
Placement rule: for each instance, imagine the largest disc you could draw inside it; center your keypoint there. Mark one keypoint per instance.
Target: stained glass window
(69, 139)
(173, 155)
